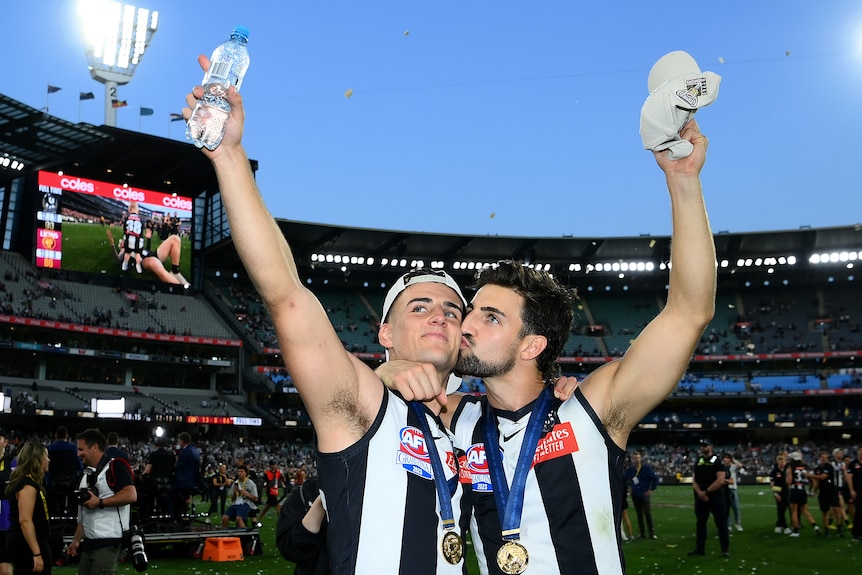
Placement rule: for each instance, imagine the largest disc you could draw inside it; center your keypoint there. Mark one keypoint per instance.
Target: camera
(136, 549)
(83, 495)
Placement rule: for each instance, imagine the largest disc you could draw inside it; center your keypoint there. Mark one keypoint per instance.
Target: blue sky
(501, 118)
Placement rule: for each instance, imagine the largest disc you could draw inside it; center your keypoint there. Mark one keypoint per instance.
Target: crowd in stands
(246, 305)
(770, 325)
(669, 460)
(256, 454)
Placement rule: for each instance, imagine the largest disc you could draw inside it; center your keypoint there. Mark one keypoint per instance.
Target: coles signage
(168, 202)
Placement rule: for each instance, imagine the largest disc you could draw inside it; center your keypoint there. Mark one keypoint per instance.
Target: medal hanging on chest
(512, 557)
(451, 545)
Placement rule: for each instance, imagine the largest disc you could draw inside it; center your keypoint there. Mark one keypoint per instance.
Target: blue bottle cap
(240, 31)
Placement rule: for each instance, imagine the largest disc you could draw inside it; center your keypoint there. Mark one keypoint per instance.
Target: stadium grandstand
(778, 364)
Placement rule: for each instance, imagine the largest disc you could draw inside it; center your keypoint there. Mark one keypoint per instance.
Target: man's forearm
(693, 267)
(715, 485)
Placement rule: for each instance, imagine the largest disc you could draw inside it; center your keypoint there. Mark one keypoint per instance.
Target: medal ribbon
(440, 482)
(510, 502)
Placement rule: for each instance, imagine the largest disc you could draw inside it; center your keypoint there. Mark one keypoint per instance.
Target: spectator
(27, 543)
(64, 473)
(245, 499)
(187, 475)
(5, 516)
(732, 485)
(642, 481)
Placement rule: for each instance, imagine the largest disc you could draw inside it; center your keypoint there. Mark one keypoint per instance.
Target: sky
(503, 117)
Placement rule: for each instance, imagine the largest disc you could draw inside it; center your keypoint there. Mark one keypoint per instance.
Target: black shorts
(828, 498)
(5, 557)
(272, 500)
(798, 497)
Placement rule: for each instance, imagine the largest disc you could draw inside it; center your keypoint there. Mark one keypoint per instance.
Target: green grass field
(86, 249)
(757, 550)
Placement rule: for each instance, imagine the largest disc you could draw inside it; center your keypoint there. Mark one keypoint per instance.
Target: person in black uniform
(854, 479)
(799, 478)
(778, 481)
(158, 477)
(300, 534)
(828, 495)
(708, 483)
(219, 483)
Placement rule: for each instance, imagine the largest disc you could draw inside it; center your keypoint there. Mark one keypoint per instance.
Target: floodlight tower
(116, 36)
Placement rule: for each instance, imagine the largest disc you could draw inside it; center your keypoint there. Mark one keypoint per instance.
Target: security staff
(708, 483)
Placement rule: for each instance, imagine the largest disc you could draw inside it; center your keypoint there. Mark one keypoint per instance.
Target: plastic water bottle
(228, 65)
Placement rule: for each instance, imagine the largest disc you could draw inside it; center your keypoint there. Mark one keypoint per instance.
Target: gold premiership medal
(452, 547)
(512, 558)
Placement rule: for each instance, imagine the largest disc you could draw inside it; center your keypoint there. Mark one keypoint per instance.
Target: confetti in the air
(406, 32)
(493, 214)
(348, 92)
(720, 60)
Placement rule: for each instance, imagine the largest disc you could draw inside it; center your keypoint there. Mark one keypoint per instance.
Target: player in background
(153, 261)
(132, 238)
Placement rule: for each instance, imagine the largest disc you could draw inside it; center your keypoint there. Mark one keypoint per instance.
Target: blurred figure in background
(732, 484)
(300, 534)
(5, 472)
(781, 493)
(642, 481)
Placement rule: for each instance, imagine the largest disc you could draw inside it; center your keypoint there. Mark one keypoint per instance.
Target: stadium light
(116, 37)
(11, 163)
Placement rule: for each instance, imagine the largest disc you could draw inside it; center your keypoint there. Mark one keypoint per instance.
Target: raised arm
(341, 394)
(624, 391)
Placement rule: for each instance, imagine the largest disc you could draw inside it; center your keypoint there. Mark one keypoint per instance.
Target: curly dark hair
(549, 306)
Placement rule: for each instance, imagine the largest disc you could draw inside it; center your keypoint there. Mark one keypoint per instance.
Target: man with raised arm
(553, 501)
(388, 473)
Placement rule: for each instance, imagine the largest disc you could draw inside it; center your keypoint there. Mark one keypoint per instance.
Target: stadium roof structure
(38, 140)
(44, 142)
(328, 251)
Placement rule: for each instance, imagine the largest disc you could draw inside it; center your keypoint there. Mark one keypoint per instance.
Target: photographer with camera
(245, 498)
(104, 497)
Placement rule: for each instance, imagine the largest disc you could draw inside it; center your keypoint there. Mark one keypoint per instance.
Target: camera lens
(139, 554)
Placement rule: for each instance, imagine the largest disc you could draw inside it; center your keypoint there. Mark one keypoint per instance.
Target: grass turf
(86, 249)
(756, 551)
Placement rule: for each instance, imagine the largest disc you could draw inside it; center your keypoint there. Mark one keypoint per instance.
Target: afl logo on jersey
(477, 468)
(413, 453)
(476, 460)
(413, 442)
